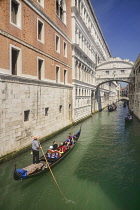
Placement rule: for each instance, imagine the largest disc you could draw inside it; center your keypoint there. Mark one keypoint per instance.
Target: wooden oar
(52, 173)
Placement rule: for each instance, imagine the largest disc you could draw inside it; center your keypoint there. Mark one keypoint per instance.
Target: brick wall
(27, 34)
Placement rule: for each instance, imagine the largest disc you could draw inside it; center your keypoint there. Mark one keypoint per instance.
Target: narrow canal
(101, 173)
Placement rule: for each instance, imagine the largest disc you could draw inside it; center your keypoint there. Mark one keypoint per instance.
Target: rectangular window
(65, 76)
(15, 54)
(41, 2)
(57, 41)
(40, 26)
(60, 9)
(40, 68)
(46, 111)
(15, 16)
(76, 92)
(57, 73)
(69, 107)
(57, 7)
(40, 62)
(107, 72)
(122, 71)
(60, 108)
(14, 11)
(40, 31)
(65, 49)
(26, 115)
(15, 60)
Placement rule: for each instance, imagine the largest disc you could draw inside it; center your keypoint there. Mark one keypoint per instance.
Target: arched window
(61, 10)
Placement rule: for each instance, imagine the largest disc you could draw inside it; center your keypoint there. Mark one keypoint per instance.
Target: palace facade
(89, 49)
(135, 90)
(48, 59)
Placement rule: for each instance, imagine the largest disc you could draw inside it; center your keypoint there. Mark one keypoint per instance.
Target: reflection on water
(101, 173)
(112, 159)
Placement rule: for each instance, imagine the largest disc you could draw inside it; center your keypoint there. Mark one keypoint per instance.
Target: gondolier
(35, 148)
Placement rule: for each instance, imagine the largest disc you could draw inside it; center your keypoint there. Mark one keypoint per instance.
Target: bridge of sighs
(115, 69)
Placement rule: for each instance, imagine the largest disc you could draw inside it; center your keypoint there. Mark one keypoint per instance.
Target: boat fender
(22, 173)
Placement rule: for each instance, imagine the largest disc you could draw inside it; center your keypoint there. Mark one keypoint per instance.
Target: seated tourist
(72, 141)
(67, 143)
(55, 145)
(53, 154)
(75, 136)
(63, 147)
(69, 136)
(49, 151)
(57, 153)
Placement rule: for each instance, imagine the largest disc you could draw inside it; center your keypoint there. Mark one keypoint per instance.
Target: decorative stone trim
(29, 81)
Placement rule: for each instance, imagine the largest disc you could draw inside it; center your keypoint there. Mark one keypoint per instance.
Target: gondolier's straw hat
(35, 137)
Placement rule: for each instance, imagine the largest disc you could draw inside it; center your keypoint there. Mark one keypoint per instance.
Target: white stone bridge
(115, 69)
(122, 98)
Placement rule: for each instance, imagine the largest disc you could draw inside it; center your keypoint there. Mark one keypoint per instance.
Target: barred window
(60, 108)
(46, 111)
(26, 115)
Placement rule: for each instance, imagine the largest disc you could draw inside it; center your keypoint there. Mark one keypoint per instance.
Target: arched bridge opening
(112, 71)
(113, 80)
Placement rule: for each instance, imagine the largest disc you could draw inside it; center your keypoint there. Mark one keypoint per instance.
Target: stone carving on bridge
(115, 69)
(115, 63)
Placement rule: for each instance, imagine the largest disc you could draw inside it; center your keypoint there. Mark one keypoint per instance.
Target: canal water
(101, 173)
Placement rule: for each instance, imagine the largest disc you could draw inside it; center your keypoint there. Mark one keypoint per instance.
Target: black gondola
(125, 103)
(112, 107)
(128, 118)
(37, 169)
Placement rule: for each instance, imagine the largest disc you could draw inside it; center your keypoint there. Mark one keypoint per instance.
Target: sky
(119, 21)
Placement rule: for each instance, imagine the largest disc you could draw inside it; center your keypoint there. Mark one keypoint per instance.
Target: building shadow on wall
(98, 99)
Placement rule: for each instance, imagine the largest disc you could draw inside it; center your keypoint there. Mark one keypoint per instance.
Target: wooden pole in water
(52, 173)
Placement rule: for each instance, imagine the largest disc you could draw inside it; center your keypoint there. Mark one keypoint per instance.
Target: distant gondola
(112, 107)
(37, 169)
(128, 118)
(125, 103)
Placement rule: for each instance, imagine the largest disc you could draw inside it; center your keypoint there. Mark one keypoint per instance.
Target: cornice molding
(83, 84)
(28, 81)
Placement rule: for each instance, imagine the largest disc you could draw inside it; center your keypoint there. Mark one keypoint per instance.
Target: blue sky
(119, 21)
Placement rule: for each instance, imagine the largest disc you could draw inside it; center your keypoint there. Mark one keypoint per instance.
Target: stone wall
(135, 89)
(18, 95)
(82, 112)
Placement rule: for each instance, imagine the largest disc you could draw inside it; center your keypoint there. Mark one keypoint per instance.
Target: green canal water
(101, 173)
